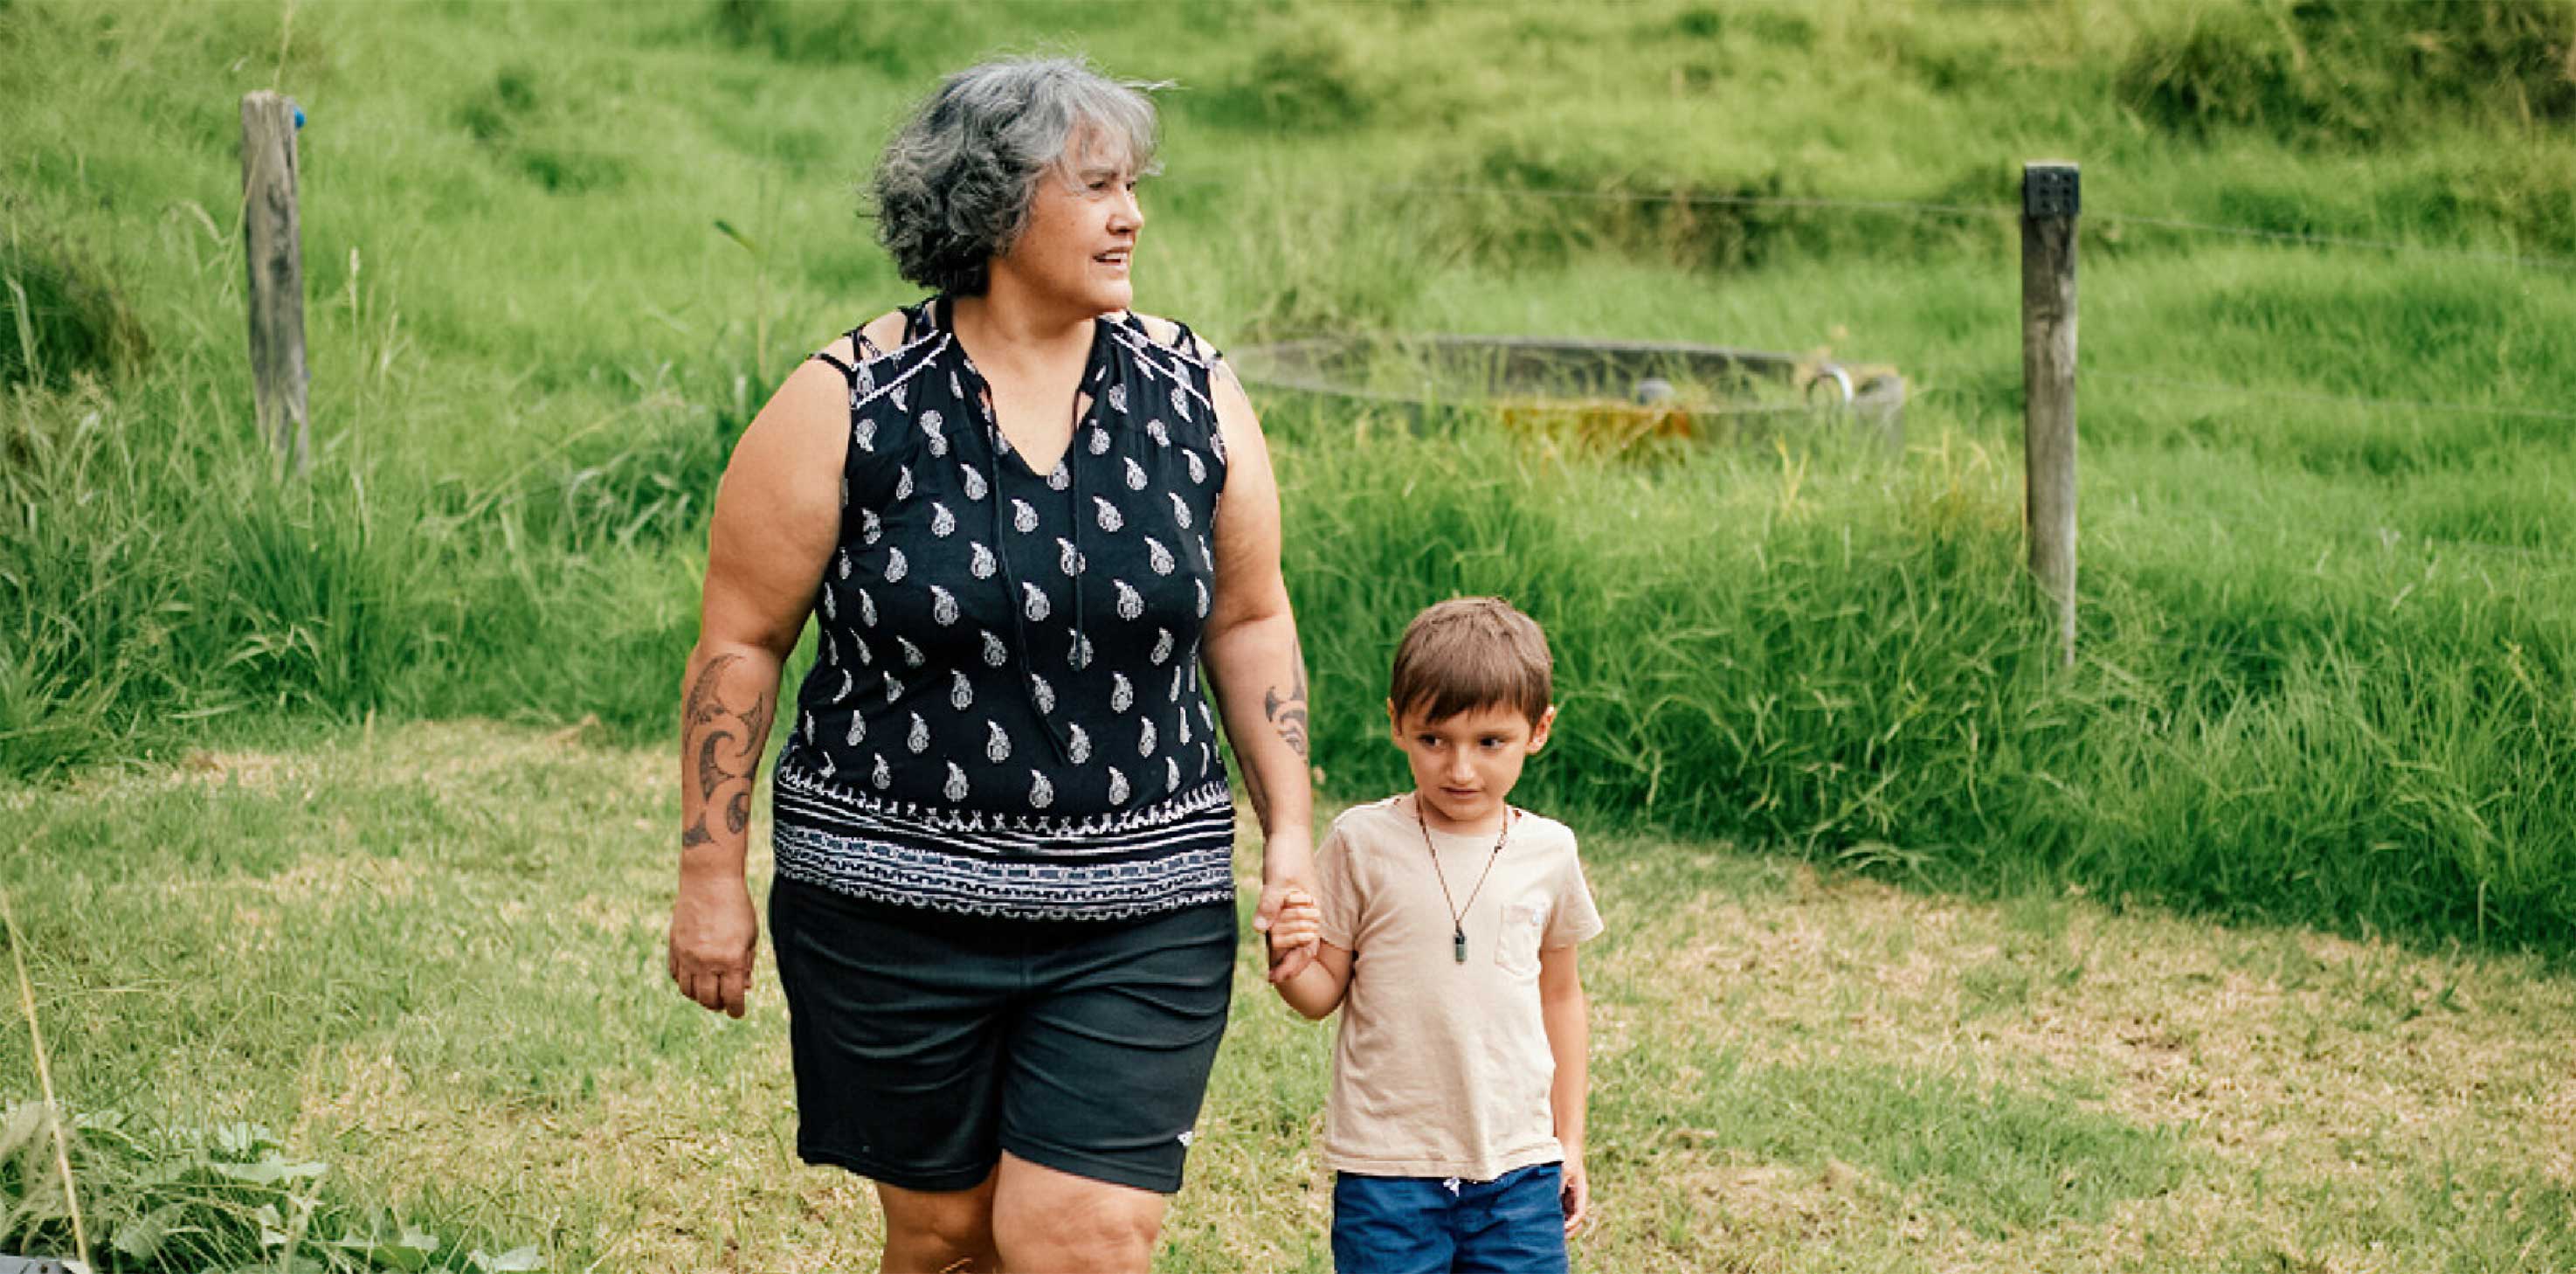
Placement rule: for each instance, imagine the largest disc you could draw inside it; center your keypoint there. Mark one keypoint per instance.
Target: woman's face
(1081, 238)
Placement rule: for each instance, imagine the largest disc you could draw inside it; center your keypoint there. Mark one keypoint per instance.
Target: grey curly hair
(954, 186)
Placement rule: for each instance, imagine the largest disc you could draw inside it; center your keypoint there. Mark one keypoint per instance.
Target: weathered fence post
(2050, 199)
(272, 239)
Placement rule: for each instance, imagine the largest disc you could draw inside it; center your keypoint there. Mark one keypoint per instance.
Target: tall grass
(2325, 673)
(1814, 650)
(161, 580)
(2353, 72)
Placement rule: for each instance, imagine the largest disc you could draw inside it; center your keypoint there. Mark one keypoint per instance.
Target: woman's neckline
(943, 313)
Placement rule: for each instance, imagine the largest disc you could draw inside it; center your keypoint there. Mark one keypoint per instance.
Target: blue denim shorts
(1424, 1225)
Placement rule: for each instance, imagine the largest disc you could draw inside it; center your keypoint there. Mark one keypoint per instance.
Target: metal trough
(1613, 392)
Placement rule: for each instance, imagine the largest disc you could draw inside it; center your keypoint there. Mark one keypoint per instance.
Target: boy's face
(1464, 766)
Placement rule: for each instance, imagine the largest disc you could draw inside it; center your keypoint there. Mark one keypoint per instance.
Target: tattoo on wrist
(726, 743)
(1287, 713)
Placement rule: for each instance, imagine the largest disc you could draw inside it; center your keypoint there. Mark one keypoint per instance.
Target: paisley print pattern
(1027, 612)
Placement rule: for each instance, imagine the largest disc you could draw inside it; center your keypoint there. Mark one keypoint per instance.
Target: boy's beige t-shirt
(1442, 1069)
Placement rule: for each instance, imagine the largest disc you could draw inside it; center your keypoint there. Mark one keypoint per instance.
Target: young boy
(1448, 922)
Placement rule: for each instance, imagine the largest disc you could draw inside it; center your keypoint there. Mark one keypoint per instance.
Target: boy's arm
(1569, 1038)
(1317, 989)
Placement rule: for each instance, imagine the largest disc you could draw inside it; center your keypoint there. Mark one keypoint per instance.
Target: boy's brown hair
(1472, 652)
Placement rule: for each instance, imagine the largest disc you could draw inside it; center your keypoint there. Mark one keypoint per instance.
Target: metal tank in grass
(1615, 396)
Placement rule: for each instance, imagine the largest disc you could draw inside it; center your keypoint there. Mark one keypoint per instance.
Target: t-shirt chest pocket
(1516, 949)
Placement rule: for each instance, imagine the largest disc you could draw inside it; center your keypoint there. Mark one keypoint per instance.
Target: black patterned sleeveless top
(1005, 715)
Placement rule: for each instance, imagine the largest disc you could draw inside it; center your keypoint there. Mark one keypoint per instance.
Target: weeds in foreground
(197, 1199)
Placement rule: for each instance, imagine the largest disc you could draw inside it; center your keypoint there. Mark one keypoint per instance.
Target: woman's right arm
(777, 520)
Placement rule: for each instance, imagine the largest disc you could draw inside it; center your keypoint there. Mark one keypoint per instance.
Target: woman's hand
(1574, 1191)
(714, 935)
(1288, 874)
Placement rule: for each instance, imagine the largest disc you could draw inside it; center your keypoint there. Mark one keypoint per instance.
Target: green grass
(2325, 677)
(420, 967)
(1996, 1160)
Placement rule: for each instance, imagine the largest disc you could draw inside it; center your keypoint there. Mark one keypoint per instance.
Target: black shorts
(927, 1043)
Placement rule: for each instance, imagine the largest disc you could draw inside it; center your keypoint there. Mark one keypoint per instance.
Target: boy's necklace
(1457, 915)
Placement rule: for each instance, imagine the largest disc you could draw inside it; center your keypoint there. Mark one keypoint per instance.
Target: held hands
(1297, 931)
(1287, 864)
(714, 934)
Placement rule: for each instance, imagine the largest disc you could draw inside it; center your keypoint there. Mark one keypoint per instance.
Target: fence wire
(1697, 199)
(2519, 260)
(2516, 260)
(2331, 400)
(2386, 538)
(1962, 377)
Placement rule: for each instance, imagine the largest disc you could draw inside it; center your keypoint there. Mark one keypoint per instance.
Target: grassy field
(428, 959)
(557, 251)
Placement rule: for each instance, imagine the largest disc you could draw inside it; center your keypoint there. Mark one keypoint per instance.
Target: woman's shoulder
(877, 341)
(1161, 347)
(1172, 334)
(839, 409)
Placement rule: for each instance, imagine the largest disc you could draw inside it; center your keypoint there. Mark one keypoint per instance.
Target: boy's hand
(1300, 925)
(1575, 1192)
(1287, 865)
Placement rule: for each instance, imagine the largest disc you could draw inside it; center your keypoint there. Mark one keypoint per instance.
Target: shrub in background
(61, 317)
(2354, 71)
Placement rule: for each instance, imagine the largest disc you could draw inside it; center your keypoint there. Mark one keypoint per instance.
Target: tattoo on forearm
(1287, 713)
(726, 743)
(710, 774)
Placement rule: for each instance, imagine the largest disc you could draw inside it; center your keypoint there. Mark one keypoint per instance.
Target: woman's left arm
(1257, 667)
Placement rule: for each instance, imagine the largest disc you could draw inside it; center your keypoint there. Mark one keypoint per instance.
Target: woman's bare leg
(939, 1231)
(1049, 1220)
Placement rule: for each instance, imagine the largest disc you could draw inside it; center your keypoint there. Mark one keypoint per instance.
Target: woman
(1023, 519)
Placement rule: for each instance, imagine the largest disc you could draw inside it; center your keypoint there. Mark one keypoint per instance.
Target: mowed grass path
(431, 956)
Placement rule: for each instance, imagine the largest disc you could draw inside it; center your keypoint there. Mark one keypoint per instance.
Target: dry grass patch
(432, 957)
(2342, 1084)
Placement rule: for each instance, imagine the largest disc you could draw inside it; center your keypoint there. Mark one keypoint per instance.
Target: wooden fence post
(272, 239)
(2051, 196)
